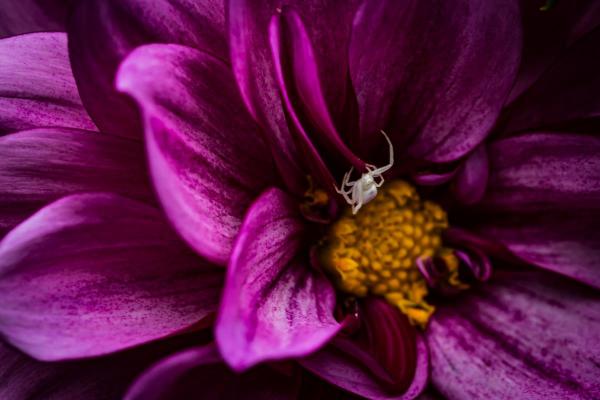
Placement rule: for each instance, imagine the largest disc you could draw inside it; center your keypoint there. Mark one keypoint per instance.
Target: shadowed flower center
(377, 250)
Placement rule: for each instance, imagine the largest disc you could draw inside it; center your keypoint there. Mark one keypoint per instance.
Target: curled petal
(274, 305)
(207, 158)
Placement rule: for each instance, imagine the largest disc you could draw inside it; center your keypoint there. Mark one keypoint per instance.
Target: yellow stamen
(375, 251)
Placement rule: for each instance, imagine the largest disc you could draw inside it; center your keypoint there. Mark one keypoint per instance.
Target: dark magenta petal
(92, 274)
(274, 305)
(103, 378)
(42, 165)
(548, 33)
(532, 335)
(257, 79)
(567, 91)
(434, 81)
(200, 371)
(391, 339)
(471, 179)
(298, 78)
(543, 201)
(428, 178)
(24, 16)
(347, 366)
(37, 88)
(207, 158)
(103, 32)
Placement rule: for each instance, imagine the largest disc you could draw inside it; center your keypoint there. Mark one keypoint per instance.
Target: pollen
(375, 252)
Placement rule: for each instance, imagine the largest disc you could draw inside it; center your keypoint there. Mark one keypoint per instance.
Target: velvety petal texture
(274, 305)
(434, 81)
(103, 32)
(37, 88)
(253, 67)
(547, 33)
(543, 201)
(526, 335)
(471, 179)
(41, 165)
(104, 378)
(200, 371)
(346, 365)
(95, 273)
(297, 72)
(24, 16)
(566, 92)
(207, 157)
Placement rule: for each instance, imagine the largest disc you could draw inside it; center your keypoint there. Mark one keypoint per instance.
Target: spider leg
(341, 189)
(381, 170)
(380, 182)
(357, 196)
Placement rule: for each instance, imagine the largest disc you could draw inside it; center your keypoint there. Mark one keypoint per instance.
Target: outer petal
(36, 85)
(274, 306)
(547, 33)
(24, 16)
(92, 274)
(435, 81)
(344, 367)
(207, 158)
(104, 378)
(565, 92)
(200, 370)
(528, 335)
(543, 201)
(42, 165)
(103, 32)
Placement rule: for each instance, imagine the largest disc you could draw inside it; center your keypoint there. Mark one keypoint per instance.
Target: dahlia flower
(299, 199)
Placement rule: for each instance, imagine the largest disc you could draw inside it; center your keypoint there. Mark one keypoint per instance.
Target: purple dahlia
(171, 223)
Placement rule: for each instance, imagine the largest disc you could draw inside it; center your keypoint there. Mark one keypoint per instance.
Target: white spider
(363, 190)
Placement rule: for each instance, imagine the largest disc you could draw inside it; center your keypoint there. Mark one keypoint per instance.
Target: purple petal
(24, 16)
(42, 165)
(95, 273)
(428, 178)
(565, 92)
(274, 305)
(207, 157)
(543, 201)
(36, 85)
(104, 378)
(528, 335)
(471, 180)
(346, 368)
(547, 33)
(103, 32)
(256, 76)
(435, 81)
(391, 339)
(291, 47)
(199, 371)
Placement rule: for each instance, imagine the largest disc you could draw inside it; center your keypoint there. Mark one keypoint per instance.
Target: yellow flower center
(376, 251)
